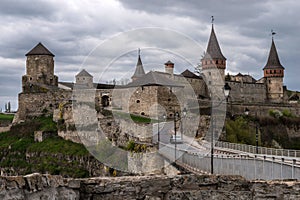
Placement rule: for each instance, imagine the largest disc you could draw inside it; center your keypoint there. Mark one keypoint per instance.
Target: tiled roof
(39, 49)
(153, 78)
(139, 69)
(273, 59)
(213, 50)
(84, 73)
(188, 74)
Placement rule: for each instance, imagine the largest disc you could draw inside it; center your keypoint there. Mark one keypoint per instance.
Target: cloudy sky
(103, 36)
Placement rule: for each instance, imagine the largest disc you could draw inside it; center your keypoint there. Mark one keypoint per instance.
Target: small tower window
(269, 81)
(137, 101)
(217, 62)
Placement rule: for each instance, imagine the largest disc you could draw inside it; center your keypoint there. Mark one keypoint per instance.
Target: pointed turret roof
(39, 49)
(213, 50)
(273, 60)
(139, 69)
(84, 73)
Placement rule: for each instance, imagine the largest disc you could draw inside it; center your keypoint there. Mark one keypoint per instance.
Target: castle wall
(247, 92)
(37, 104)
(262, 109)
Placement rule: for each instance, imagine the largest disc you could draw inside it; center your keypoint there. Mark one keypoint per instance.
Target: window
(142, 113)
(138, 101)
(216, 61)
(269, 81)
(169, 99)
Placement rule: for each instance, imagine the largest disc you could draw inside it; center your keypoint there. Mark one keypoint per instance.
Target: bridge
(230, 159)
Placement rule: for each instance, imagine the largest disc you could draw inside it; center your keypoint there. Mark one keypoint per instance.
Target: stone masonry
(37, 186)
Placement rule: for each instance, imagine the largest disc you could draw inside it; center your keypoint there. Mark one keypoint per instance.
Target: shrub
(275, 113)
(130, 145)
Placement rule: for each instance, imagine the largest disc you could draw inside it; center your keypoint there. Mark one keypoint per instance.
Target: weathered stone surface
(37, 186)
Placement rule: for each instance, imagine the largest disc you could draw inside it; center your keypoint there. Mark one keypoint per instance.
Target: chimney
(169, 67)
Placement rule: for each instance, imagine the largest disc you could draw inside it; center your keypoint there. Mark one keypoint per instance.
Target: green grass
(135, 118)
(19, 141)
(58, 146)
(6, 117)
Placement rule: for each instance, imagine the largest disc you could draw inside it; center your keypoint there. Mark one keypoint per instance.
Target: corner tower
(39, 69)
(273, 74)
(139, 69)
(213, 60)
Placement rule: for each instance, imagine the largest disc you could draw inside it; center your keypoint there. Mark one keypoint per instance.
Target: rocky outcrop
(37, 186)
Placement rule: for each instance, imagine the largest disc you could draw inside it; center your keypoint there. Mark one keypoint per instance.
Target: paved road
(166, 129)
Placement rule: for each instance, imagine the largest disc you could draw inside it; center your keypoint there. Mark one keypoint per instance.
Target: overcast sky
(72, 29)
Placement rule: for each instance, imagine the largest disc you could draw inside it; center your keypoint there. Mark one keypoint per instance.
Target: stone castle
(42, 93)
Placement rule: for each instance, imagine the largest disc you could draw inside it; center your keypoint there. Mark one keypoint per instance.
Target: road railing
(261, 150)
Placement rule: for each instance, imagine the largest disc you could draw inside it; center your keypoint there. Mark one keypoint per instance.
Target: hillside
(20, 154)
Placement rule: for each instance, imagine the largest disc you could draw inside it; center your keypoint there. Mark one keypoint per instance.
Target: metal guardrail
(261, 150)
(249, 166)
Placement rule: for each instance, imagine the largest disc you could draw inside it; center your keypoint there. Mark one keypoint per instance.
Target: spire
(39, 49)
(139, 70)
(213, 50)
(273, 60)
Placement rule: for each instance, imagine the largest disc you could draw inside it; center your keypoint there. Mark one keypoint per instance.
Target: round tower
(213, 62)
(273, 74)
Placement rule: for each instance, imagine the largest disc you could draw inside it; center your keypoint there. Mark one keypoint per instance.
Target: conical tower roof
(139, 69)
(213, 50)
(39, 49)
(273, 60)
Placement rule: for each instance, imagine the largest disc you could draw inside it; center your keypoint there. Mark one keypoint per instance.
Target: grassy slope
(15, 144)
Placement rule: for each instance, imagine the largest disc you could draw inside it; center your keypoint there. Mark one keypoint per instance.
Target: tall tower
(139, 69)
(39, 69)
(214, 62)
(273, 74)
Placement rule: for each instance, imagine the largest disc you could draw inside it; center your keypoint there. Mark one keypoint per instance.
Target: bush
(239, 131)
(275, 113)
(130, 145)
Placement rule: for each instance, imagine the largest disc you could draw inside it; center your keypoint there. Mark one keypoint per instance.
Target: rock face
(37, 186)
